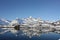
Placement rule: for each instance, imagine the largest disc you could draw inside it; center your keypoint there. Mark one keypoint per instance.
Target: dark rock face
(17, 27)
(53, 24)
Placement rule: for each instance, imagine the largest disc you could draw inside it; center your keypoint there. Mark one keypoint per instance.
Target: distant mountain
(29, 21)
(57, 22)
(4, 21)
(32, 20)
(16, 21)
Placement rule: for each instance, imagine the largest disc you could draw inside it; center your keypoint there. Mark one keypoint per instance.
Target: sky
(45, 9)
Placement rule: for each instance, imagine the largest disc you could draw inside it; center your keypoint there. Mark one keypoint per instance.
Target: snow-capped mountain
(29, 20)
(32, 20)
(4, 21)
(16, 21)
(58, 22)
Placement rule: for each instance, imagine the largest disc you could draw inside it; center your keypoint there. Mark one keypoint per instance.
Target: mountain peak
(30, 16)
(4, 21)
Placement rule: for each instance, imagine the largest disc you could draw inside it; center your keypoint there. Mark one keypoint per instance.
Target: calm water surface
(49, 36)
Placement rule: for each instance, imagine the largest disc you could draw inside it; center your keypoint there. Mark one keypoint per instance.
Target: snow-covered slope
(16, 21)
(4, 21)
(29, 20)
(32, 20)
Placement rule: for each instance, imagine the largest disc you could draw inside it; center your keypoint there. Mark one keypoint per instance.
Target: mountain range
(29, 20)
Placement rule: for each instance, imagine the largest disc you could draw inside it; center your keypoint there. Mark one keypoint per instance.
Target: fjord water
(44, 36)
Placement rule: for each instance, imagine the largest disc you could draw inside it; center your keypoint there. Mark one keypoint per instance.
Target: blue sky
(45, 9)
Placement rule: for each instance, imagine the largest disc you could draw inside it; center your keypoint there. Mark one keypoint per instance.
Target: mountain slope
(4, 21)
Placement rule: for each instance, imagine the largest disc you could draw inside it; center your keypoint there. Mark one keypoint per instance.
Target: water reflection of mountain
(10, 36)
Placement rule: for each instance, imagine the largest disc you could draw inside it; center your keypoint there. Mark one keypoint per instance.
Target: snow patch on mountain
(4, 21)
